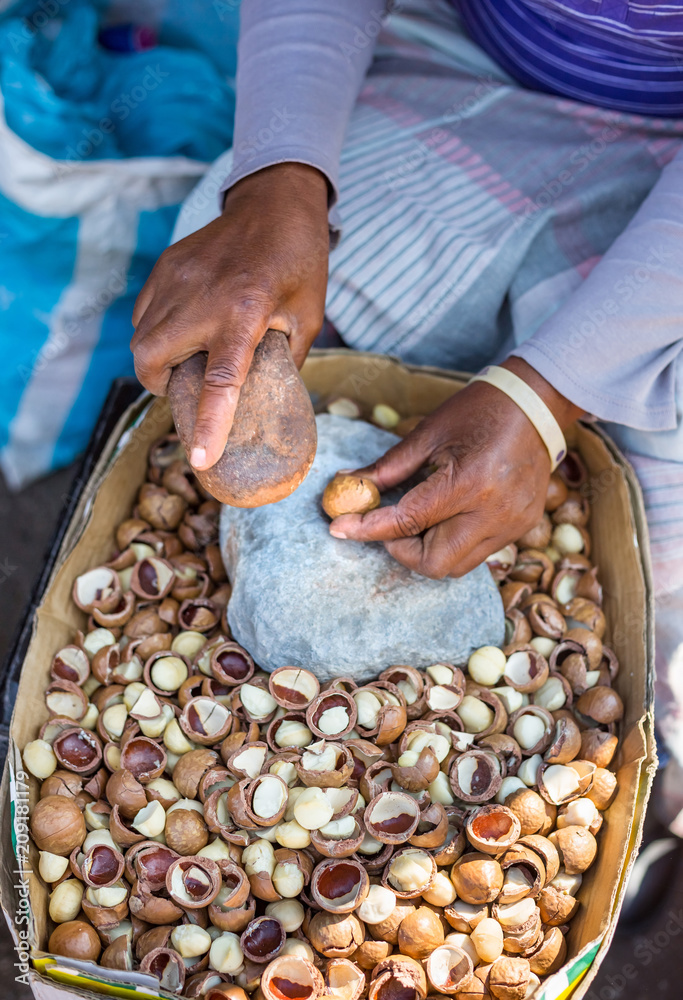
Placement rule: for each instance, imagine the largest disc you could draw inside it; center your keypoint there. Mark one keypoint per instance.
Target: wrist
(282, 180)
(564, 411)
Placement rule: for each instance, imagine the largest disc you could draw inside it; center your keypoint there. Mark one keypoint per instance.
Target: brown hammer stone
(273, 438)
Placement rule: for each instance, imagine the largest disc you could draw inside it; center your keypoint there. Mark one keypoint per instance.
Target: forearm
(301, 64)
(612, 347)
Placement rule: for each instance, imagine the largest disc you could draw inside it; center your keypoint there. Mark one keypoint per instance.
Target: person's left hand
(488, 487)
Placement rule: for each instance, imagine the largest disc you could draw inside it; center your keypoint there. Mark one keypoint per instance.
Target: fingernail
(337, 533)
(198, 458)
(344, 472)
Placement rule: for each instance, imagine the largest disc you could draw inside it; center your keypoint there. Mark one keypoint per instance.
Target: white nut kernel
(486, 665)
(52, 866)
(528, 730)
(225, 954)
(151, 820)
(441, 673)
(65, 900)
(543, 645)
(190, 941)
(440, 790)
(528, 770)
(580, 812)
(475, 715)
(313, 809)
(567, 539)
(259, 857)
(39, 758)
(258, 702)
(288, 879)
(560, 782)
(377, 905)
(333, 720)
(511, 699)
(291, 733)
(507, 786)
(551, 695)
(441, 892)
(292, 835)
(111, 895)
(289, 912)
(114, 719)
(487, 938)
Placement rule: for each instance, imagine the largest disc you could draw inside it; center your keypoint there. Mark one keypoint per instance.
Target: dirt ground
(645, 963)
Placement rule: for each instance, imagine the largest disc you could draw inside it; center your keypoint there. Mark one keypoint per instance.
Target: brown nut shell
(231, 664)
(102, 866)
(492, 828)
(262, 939)
(57, 825)
(476, 775)
(339, 885)
(598, 746)
(398, 976)
(167, 967)
(75, 939)
(191, 768)
(205, 720)
(293, 687)
(193, 882)
(327, 702)
(185, 831)
(420, 933)
(401, 872)
(144, 758)
(601, 704)
(290, 977)
(347, 494)
(525, 669)
(391, 817)
(78, 750)
(576, 846)
(477, 878)
(335, 935)
(449, 969)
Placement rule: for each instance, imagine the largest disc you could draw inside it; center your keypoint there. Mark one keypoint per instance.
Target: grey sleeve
(300, 65)
(613, 347)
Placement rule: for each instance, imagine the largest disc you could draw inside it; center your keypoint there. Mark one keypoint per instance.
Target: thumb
(226, 370)
(400, 462)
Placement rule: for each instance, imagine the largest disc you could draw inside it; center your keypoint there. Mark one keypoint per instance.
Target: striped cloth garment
(617, 53)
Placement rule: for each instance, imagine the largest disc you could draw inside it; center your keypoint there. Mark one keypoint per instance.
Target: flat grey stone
(303, 598)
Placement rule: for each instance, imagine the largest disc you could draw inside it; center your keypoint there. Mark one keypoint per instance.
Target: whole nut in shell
(420, 933)
(57, 825)
(577, 848)
(509, 978)
(75, 939)
(185, 831)
(477, 878)
(335, 935)
(346, 494)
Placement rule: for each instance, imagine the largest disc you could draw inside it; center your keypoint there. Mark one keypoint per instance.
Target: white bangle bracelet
(532, 405)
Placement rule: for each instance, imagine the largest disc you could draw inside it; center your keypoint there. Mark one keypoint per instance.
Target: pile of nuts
(234, 833)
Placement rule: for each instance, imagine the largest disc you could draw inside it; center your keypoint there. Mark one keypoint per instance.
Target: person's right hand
(261, 265)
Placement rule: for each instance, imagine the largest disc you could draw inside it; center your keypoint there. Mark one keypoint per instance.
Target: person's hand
(488, 487)
(262, 264)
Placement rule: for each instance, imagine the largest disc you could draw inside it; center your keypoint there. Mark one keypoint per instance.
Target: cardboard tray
(620, 549)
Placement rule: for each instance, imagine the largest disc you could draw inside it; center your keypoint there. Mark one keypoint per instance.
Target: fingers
(400, 462)
(451, 548)
(142, 302)
(226, 370)
(160, 346)
(422, 507)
